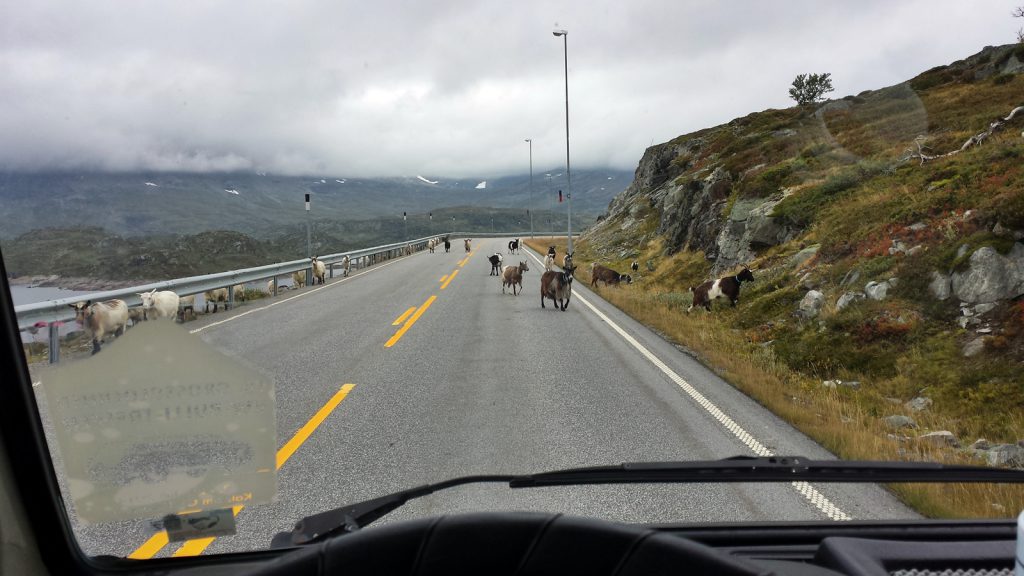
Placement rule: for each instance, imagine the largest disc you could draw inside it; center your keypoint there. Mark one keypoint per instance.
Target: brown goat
(557, 286)
(607, 275)
(513, 275)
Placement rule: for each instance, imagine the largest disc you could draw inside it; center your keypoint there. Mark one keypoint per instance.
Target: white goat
(186, 304)
(319, 270)
(101, 318)
(549, 262)
(215, 296)
(162, 304)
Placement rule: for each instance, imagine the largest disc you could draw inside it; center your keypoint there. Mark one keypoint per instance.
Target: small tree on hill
(809, 88)
(1019, 13)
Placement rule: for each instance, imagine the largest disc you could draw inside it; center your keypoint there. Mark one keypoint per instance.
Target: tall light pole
(551, 202)
(309, 242)
(530, 142)
(309, 245)
(568, 177)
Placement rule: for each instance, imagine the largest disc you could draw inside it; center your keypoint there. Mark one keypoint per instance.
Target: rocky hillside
(884, 231)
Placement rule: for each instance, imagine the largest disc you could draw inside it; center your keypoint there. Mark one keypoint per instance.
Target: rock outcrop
(990, 276)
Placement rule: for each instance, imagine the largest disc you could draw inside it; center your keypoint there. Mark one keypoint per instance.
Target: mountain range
(258, 204)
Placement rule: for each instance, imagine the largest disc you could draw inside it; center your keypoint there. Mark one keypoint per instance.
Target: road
(476, 381)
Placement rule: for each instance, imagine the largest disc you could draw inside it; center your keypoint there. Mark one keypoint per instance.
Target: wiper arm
(770, 469)
(352, 517)
(736, 469)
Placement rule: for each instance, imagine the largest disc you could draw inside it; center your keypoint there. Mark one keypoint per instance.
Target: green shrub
(800, 209)
(1000, 79)
(767, 181)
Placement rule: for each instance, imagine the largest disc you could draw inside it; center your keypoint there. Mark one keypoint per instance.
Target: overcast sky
(435, 87)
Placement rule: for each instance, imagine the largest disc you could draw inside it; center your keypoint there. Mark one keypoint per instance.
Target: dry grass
(845, 423)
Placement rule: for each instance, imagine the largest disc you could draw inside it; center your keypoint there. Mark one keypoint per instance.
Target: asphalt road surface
(479, 382)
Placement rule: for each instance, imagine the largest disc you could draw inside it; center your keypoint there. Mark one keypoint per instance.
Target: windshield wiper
(736, 469)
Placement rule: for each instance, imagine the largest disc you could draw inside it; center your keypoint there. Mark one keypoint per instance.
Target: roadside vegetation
(857, 205)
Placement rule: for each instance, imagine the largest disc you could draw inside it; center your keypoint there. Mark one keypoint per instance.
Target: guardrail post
(309, 277)
(54, 330)
(330, 270)
(231, 296)
(275, 286)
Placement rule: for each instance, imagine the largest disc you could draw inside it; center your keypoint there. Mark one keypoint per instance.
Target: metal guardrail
(53, 312)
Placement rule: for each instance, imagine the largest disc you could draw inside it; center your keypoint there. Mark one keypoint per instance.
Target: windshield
(269, 260)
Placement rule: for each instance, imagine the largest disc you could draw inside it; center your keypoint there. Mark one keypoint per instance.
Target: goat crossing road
(476, 382)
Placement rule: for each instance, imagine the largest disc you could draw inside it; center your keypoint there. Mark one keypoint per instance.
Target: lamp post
(551, 202)
(530, 142)
(568, 177)
(309, 242)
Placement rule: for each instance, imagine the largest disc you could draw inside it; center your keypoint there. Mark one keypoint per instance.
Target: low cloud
(356, 89)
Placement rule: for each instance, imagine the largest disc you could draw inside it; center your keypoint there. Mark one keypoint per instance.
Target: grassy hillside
(850, 206)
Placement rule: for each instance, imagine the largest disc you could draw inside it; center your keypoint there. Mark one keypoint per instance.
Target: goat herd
(100, 319)
(111, 317)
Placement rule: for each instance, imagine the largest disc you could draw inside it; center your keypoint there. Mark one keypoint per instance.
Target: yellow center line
(304, 433)
(196, 546)
(403, 316)
(449, 280)
(444, 277)
(412, 320)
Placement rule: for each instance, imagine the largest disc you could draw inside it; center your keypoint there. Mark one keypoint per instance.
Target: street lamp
(551, 202)
(530, 142)
(568, 178)
(309, 243)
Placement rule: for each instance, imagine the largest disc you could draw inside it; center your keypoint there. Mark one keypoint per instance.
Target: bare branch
(1020, 35)
(1018, 12)
(978, 138)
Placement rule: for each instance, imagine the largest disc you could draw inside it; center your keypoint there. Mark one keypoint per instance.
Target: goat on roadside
(162, 304)
(214, 297)
(319, 270)
(101, 318)
(513, 275)
(549, 262)
(495, 260)
(607, 275)
(728, 287)
(557, 286)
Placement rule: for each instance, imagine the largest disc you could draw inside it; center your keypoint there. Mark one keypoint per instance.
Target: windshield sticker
(207, 524)
(159, 423)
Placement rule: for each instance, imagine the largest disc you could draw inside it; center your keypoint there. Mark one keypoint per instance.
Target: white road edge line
(306, 293)
(816, 498)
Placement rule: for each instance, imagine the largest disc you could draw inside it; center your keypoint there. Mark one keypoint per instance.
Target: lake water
(29, 295)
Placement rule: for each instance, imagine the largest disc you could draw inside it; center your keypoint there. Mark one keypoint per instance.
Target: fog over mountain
(358, 89)
(255, 203)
